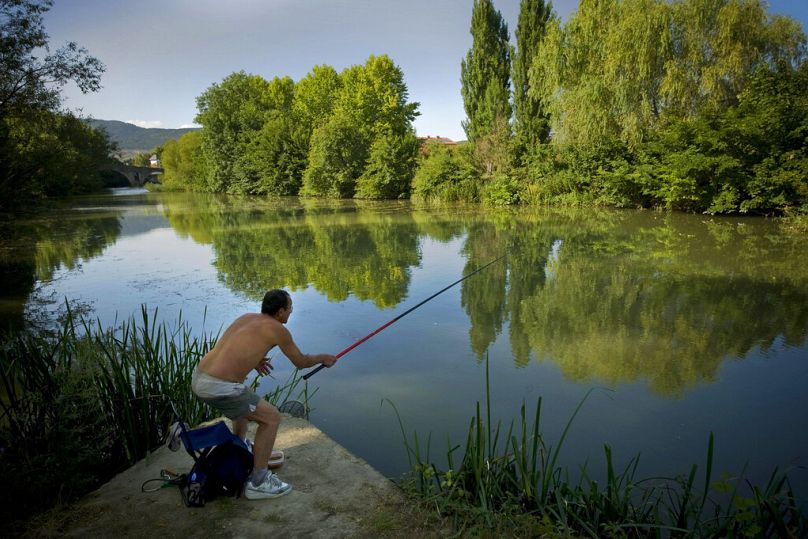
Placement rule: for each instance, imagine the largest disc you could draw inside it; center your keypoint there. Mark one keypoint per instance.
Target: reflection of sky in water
(155, 268)
(424, 364)
(552, 259)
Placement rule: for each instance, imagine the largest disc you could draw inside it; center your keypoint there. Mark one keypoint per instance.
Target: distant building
(154, 162)
(438, 139)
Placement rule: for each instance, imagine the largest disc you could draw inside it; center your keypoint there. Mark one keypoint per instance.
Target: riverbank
(336, 494)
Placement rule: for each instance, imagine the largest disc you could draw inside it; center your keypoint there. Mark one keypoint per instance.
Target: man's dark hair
(274, 301)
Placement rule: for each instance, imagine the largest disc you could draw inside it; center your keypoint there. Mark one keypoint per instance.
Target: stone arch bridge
(136, 176)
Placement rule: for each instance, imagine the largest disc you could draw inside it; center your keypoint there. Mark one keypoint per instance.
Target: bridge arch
(136, 176)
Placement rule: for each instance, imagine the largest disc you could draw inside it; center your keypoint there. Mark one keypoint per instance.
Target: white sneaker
(272, 487)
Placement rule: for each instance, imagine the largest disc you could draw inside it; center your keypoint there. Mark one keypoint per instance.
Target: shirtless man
(219, 381)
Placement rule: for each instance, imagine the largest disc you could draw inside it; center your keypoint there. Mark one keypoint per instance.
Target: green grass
(509, 481)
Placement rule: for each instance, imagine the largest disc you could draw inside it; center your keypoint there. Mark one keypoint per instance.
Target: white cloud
(186, 126)
(146, 123)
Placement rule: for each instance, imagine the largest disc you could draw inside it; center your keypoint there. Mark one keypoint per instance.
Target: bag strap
(167, 478)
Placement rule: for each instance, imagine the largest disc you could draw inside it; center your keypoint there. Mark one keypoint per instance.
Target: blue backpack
(222, 471)
(222, 464)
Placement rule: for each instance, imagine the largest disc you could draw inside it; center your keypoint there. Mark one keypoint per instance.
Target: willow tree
(718, 46)
(531, 122)
(485, 73)
(600, 73)
(617, 67)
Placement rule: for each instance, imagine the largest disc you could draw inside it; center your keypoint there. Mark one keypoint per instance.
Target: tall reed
(141, 368)
(513, 484)
(86, 402)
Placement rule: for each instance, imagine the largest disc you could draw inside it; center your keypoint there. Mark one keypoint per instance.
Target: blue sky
(160, 55)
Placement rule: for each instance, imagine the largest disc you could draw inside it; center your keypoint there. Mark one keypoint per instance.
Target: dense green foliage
(330, 134)
(664, 104)
(390, 167)
(43, 152)
(445, 173)
(371, 115)
(336, 159)
(750, 157)
(184, 162)
(695, 105)
(232, 113)
(49, 154)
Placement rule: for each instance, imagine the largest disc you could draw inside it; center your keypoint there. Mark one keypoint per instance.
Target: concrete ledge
(336, 494)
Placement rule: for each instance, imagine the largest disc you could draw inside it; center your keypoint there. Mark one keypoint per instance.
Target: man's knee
(265, 414)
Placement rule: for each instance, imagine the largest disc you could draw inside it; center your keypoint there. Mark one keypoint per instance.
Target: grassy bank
(83, 403)
(509, 482)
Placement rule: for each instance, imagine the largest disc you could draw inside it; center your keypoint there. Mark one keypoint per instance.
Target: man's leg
(240, 427)
(268, 419)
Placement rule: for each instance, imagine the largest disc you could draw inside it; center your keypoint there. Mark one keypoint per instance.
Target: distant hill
(134, 139)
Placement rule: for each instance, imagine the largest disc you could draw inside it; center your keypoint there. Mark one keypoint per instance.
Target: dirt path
(335, 495)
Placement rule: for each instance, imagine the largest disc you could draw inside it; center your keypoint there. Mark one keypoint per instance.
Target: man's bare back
(245, 343)
(242, 347)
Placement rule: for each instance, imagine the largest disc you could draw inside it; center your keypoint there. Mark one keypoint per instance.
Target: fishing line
(399, 317)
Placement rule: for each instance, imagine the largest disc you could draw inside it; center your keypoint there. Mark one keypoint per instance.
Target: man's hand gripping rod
(399, 317)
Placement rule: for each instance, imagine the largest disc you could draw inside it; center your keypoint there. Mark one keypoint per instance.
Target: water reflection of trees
(640, 297)
(364, 250)
(610, 297)
(36, 247)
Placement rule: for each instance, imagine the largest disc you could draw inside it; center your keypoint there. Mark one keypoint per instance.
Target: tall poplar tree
(531, 120)
(485, 73)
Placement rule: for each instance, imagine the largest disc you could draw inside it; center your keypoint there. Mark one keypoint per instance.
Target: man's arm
(298, 358)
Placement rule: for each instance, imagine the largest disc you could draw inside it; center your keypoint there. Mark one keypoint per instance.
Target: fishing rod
(399, 317)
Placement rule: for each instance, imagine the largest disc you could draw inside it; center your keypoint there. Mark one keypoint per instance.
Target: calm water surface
(683, 324)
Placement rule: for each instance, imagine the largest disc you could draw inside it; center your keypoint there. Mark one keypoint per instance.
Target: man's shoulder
(264, 322)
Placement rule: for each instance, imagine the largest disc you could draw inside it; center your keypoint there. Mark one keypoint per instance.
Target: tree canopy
(694, 105)
(43, 150)
(618, 67)
(28, 78)
(315, 137)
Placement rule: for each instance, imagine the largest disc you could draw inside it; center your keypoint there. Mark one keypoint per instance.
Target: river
(682, 324)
